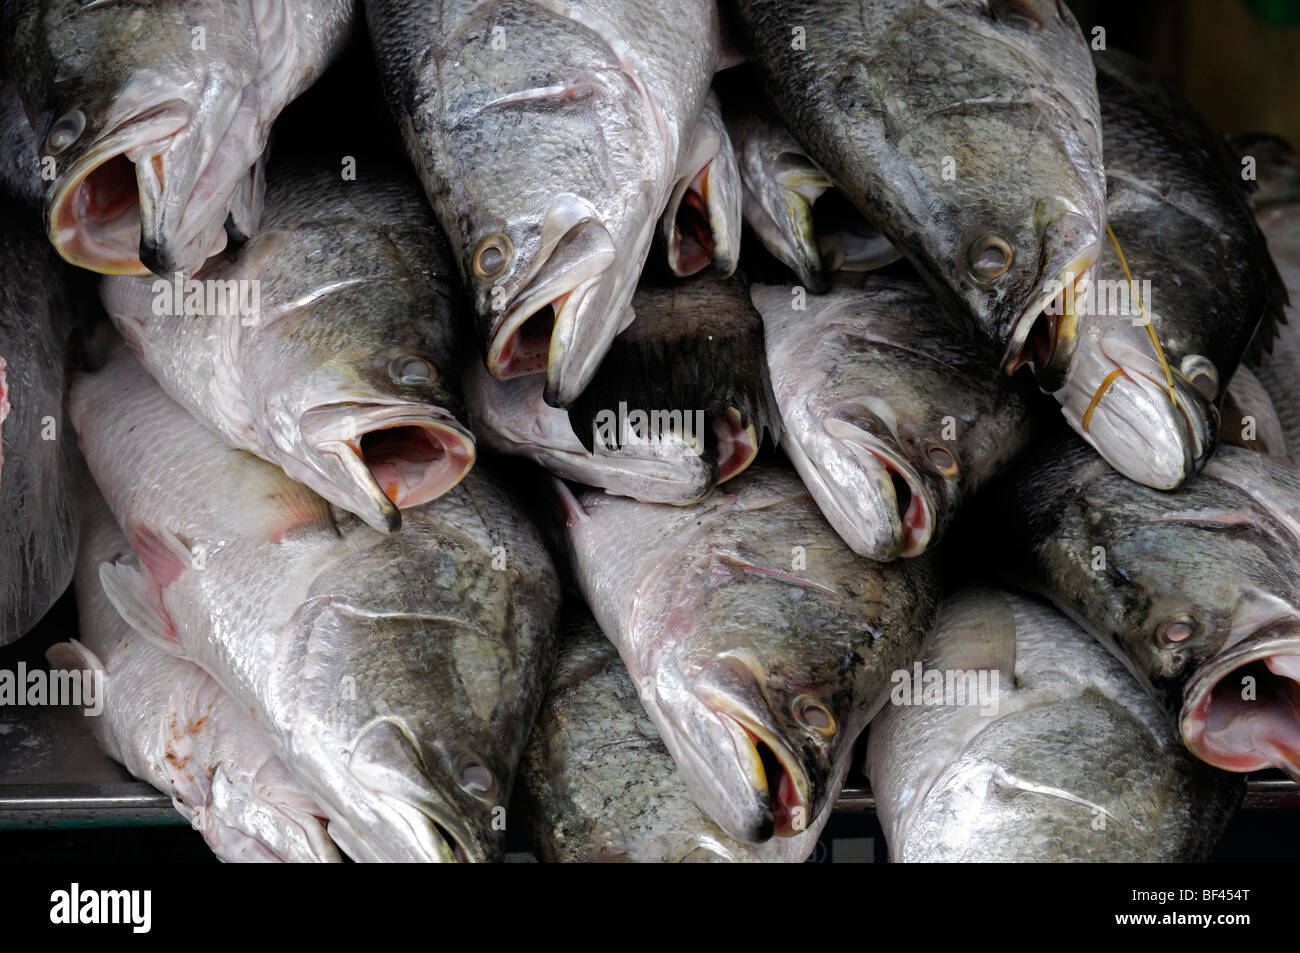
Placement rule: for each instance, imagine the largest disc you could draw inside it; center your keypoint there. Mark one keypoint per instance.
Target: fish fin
(162, 553)
(138, 600)
(294, 508)
(975, 632)
(572, 509)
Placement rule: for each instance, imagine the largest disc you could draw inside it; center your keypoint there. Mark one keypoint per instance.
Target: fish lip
(1052, 376)
(749, 722)
(446, 841)
(149, 125)
(338, 430)
(879, 462)
(1279, 637)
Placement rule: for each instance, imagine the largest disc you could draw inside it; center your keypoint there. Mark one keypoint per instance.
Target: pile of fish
(714, 402)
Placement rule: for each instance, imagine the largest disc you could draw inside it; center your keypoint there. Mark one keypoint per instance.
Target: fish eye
(493, 255)
(943, 460)
(811, 713)
(65, 131)
(1178, 629)
(476, 777)
(1201, 374)
(411, 370)
(989, 257)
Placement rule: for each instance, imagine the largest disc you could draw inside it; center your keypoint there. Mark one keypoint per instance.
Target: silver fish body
(1197, 591)
(1064, 758)
(759, 643)
(326, 346)
(156, 117)
(169, 723)
(891, 423)
(968, 133)
(398, 675)
(549, 140)
(601, 786)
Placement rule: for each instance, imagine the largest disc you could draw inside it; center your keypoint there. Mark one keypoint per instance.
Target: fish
(968, 133)
(1197, 591)
(170, 723)
(40, 321)
(1249, 418)
(597, 783)
(155, 118)
(759, 643)
(20, 166)
(396, 674)
(326, 346)
(1275, 164)
(792, 206)
(892, 424)
(701, 225)
(682, 402)
(1167, 192)
(1044, 749)
(549, 140)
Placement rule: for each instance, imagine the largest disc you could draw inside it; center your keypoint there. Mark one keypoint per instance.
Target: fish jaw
(1070, 246)
(779, 209)
(701, 225)
(93, 210)
(1248, 734)
(1133, 424)
(561, 320)
(377, 459)
(874, 499)
(240, 822)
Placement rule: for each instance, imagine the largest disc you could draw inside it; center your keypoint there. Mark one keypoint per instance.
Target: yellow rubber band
(1096, 398)
(1151, 328)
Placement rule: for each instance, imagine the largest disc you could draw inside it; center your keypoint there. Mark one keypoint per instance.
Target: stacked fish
(327, 628)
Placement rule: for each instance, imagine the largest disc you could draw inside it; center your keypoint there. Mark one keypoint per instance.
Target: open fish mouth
(1241, 710)
(702, 223)
(897, 499)
(735, 445)
(558, 322)
(387, 457)
(94, 209)
(1044, 334)
(773, 771)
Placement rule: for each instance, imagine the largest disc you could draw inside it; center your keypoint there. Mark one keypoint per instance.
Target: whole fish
(701, 225)
(39, 463)
(760, 644)
(326, 346)
(891, 423)
(599, 784)
(968, 133)
(681, 403)
(397, 675)
(786, 198)
(549, 139)
(1197, 591)
(156, 116)
(1038, 747)
(169, 723)
(1201, 276)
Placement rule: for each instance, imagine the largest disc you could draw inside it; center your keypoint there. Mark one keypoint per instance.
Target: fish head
(1241, 708)
(544, 290)
(757, 757)
(429, 700)
(884, 479)
(146, 137)
(701, 224)
(1147, 419)
(361, 404)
